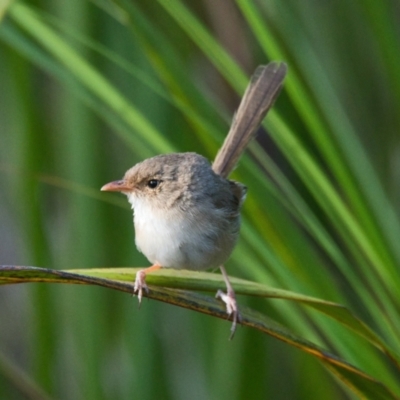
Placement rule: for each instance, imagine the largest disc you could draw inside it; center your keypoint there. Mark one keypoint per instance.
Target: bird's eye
(153, 183)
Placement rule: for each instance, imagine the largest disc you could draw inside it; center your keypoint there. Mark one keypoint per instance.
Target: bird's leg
(140, 280)
(229, 298)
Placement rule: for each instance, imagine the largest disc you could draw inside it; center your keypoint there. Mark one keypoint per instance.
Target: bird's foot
(231, 308)
(140, 284)
(140, 280)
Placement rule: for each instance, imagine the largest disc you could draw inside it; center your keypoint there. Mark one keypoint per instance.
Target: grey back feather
(263, 89)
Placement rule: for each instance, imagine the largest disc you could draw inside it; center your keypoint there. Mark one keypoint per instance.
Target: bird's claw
(140, 285)
(231, 309)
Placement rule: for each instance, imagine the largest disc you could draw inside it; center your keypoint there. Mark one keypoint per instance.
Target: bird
(186, 211)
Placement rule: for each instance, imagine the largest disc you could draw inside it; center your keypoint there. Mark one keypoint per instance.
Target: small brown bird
(186, 213)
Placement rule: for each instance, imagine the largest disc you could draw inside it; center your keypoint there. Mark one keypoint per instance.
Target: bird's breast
(177, 239)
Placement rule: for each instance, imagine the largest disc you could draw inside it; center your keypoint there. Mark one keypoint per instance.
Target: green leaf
(89, 77)
(115, 278)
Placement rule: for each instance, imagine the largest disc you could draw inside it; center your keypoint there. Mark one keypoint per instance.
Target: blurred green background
(90, 88)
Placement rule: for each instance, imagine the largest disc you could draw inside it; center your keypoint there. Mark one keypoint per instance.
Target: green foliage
(88, 89)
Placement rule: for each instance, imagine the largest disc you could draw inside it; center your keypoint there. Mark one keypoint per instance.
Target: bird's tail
(262, 91)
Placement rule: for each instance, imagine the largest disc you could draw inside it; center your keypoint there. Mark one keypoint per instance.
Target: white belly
(179, 240)
(159, 236)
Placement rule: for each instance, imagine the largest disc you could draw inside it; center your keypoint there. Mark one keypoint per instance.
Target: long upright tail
(263, 89)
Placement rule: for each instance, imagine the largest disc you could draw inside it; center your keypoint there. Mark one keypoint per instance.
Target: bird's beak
(116, 186)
